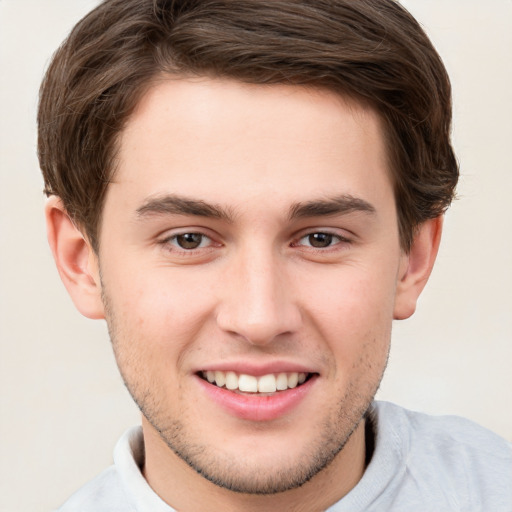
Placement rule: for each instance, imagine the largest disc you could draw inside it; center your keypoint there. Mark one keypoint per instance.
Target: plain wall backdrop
(63, 405)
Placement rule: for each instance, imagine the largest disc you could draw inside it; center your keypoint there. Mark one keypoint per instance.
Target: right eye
(191, 240)
(187, 241)
(319, 240)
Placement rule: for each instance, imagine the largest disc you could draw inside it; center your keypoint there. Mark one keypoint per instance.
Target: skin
(255, 291)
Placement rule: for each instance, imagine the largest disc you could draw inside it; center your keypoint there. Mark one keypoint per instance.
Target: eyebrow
(337, 205)
(178, 205)
(173, 204)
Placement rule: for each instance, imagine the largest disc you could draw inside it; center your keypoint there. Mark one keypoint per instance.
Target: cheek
(351, 299)
(157, 309)
(353, 314)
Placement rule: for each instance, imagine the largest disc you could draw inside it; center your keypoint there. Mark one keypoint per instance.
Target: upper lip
(257, 369)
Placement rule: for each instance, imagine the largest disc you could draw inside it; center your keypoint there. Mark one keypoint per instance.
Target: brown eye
(189, 240)
(320, 240)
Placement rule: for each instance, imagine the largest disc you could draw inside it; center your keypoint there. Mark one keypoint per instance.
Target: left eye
(190, 241)
(320, 240)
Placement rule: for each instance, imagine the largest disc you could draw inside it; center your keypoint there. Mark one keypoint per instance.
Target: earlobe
(416, 267)
(76, 261)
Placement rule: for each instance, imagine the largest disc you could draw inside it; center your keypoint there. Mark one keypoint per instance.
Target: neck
(187, 491)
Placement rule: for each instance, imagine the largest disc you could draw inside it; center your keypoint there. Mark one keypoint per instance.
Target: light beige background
(63, 405)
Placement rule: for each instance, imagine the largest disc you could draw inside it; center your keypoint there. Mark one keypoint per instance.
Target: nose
(258, 302)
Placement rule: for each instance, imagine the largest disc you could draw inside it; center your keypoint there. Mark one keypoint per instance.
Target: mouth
(263, 384)
(258, 396)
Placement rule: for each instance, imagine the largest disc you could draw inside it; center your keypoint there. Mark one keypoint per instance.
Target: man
(249, 193)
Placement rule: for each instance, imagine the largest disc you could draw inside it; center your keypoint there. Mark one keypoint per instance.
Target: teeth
(293, 380)
(220, 378)
(231, 380)
(267, 384)
(282, 382)
(250, 384)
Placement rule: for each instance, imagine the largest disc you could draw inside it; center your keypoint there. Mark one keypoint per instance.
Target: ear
(76, 261)
(416, 267)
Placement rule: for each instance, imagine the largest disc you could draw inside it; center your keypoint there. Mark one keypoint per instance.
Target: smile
(261, 397)
(269, 383)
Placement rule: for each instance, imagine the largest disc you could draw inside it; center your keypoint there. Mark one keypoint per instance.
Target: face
(249, 259)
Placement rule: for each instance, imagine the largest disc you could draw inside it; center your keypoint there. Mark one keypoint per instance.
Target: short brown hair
(372, 50)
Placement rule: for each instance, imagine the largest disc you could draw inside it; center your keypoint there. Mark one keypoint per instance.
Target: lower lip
(256, 407)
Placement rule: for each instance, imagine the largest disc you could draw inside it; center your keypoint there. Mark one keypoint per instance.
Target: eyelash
(171, 243)
(337, 239)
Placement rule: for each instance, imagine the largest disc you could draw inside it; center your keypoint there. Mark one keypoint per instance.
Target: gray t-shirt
(420, 463)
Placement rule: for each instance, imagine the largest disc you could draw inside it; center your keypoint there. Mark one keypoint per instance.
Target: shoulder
(103, 493)
(451, 455)
(448, 434)
(121, 487)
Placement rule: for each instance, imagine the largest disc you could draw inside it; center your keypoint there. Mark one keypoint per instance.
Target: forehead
(224, 140)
